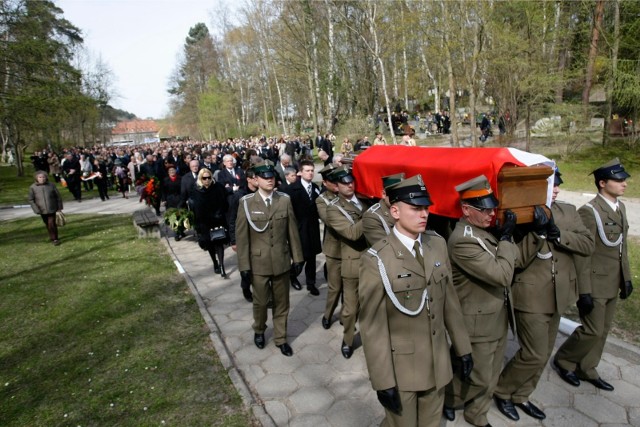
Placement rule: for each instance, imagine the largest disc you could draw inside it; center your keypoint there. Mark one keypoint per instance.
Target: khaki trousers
(280, 287)
(334, 283)
(476, 393)
(536, 335)
(581, 352)
(419, 409)
(350, 308)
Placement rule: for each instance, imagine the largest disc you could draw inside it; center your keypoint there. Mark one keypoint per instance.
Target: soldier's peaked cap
(411, 191)
(264, 169)
(611, 170)
(477, 192)
(341, 174)
(392, 179)
(325, 171)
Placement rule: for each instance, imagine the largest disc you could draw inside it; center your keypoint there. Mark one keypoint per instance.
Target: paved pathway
(318, 387)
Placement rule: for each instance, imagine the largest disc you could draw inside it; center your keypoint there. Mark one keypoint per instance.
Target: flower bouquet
(151, 192)
(178, 219)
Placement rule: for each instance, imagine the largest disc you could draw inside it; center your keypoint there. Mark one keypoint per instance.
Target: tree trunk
(612, 72)
(331, 69)
(593, 51)
(452, 83)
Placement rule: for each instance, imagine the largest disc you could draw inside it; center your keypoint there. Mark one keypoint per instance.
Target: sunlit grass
(103, 331)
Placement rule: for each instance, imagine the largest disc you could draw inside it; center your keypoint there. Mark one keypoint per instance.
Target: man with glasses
(602, 277)
(482, 266)
(267, 239)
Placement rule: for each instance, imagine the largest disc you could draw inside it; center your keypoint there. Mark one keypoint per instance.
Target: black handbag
(217, 234)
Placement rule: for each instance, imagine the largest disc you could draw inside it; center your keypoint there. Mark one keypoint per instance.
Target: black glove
(540, 221)
(297, 267)
(466, 366)
(246, 276)
(505, 231)
(553, 232)
(390, 399)
(584, 304)
(625, 289)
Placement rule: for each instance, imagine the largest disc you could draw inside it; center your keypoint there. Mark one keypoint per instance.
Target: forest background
(316, 66)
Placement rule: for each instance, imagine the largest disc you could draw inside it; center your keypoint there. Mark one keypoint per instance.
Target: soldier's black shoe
(246, 293)
(285, 349)
(569, 377)
(258, 339)
(449, 413)
(346, 350)
(532, 410)
(326, 323)
(295, 284)
(601, 384)
(313, 290)
(505, 406)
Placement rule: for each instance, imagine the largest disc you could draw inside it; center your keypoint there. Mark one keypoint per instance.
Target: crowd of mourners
(433, 314)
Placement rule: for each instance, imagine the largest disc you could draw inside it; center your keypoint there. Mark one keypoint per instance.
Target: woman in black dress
(210, 209)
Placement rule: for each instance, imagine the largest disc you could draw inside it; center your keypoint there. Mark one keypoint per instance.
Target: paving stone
(308, 375)
(351, 413)
(551, 395)
(567, 417)
(351, 385)
(282, 365)
(310, 400)
(309, 420)
(625, 394)
(608, 371)
(630, 373)
(600, 409)
(634, 417)
(278, 411)
(615, 360)
(253, 373)
(316, 353)
(235, 327)
(252, 355)
(276, 386)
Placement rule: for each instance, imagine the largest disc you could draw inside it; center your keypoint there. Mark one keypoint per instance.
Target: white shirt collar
(265, 197)
(612, 205)
(408, 241)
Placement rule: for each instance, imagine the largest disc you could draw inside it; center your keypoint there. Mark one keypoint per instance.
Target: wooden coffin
(520, 189)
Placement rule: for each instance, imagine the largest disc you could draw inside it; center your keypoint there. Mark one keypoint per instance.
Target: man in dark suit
(188, 183)
(602, 277)
(231, 177)
(324, 144)
(303, 194)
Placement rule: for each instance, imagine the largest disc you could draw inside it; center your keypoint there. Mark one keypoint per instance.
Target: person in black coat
(231, 177)
(72, 173)
(188, 183)
(303, 194)
(210, 209)
(171, 194)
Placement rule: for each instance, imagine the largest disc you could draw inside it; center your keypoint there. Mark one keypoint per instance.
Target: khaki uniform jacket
(352, 241)
(410, 352)
(331, 240)
(480, 277)
(267, 253)
(602, 273)
(377, 223)
(535, 289)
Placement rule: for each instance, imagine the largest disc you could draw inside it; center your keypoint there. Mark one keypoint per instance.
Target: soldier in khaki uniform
(377, 221)
(330, 246)
(542, 290)
(407, 307)
(267, 239)
(601, 277)
(344, 215)
(483, 267)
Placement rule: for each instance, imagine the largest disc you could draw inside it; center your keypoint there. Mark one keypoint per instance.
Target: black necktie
(416, 248)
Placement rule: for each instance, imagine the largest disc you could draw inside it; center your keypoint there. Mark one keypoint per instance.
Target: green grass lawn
(102, 330)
